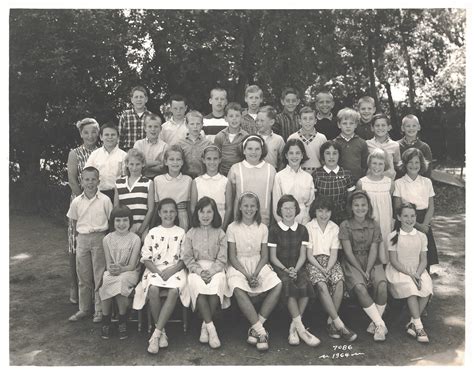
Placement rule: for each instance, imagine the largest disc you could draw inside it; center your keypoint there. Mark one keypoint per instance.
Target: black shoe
(123, 331)
(105, 332)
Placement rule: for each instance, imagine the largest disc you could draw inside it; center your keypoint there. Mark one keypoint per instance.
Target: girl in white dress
(379, 188)
(248, 273)
(214, 185)
(205, 256)
(121, 249)
(161, 254)
(406, 272)
(293, 180)
(255, 175)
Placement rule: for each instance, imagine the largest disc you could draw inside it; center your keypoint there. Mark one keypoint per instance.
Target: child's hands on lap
(292, 273)
(114, 269)
(206, 276)
(166, 274)
(253, 282)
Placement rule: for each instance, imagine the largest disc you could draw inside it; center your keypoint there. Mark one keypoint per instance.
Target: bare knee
(360, 290)
(153, 292)
(322, 288)
(173, 293)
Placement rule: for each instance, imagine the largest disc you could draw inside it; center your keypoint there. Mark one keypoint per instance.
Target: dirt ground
(40, 333)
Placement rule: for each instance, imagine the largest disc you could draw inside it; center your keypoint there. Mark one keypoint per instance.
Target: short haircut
(238, 214)
(195, 114)
(86, 121)
(201, 204)
(138, 88)
(348, 113)
(380, 116)
(160, 204)
(211, 147)
(151, 117)
(258, 139)
(380, 154)
(90, 169)
(178, 98)
(327, 145)
(366, 99)
(118, 212)
(322, 93)
(108, 125)
(232, 106)
(359, 194)
(298, 143)
(174, 148)
(408, 117)
(412, 153)
(307, 109)
(287, 199)
(217, 89)
(135, 153)
(289, 90)
(321, 202)
(253, 89)
(269, 110)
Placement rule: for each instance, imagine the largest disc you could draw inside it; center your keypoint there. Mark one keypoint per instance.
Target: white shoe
(371, 328)
(380, 332)
(309, 338)
(214, 341)
(262, 343)
(204, 337)
(293, 338)
(153, 343)
(163, 341)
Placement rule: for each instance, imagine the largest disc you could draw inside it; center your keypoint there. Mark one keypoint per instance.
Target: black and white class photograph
(236, 187)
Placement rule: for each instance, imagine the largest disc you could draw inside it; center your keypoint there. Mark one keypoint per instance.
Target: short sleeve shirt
(416, 191)
(361, 235)
(323, 241)
(247, 238)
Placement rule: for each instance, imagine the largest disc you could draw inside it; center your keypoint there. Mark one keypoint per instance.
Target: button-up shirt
(92, 215)
(193, 153)
(286, 123)
(153, 151)
(209, 244)
(110, 166)
(131, 127)
(322, 242)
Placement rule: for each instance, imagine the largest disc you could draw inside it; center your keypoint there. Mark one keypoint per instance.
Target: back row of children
(245, 196)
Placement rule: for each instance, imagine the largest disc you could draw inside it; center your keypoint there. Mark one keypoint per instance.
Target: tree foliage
(68, 64)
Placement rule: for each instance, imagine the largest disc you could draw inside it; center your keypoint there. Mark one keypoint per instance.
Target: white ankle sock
(298, 323)
(381, 309)
(329, 320)
(418, 323)
(338, 323)
(374, 314)
(261, 319)
(259, 329)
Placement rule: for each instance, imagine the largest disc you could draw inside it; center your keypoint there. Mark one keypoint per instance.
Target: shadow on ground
(41, 335)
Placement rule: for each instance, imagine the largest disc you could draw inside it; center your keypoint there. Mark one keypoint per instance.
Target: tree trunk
(395, 132)
(406, 55)
(371, 71)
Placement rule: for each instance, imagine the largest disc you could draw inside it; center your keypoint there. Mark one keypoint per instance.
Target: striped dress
(135, 197)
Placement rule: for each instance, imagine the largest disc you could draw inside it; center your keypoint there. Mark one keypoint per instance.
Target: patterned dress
(163, 247)
(120, 249)
(82, 154)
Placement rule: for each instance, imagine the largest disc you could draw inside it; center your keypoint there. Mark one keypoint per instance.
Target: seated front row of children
(220, 266)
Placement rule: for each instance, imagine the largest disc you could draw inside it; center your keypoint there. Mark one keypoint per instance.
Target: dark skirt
(432, 250)
(301, 287)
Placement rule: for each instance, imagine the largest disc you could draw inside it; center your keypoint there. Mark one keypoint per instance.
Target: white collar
(336, 170)
(408, 178)
(285, 227)
(214, 178)
(250, 166)
(112, 151)
(290, 169)
(346, 138)
(319, 116)
(411, 233)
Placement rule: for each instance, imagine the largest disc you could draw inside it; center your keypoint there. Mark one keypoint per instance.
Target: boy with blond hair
(366, 109)
(311, 139)
(286, 122)
(410, 128)
(193, 145)
(325, 123)
(175, 129)
(131, 126)
(354, 149)
(265, 120)
(152, 146)
(215, 121)
(230, 139)
(253, 98)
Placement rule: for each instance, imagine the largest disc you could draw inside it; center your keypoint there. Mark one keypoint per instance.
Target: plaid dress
(288, 244)
(335, 185)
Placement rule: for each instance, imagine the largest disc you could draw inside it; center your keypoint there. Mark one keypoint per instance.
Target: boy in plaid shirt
(131, 127)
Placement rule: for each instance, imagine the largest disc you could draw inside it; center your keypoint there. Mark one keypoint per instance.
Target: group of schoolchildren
(257, 205)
